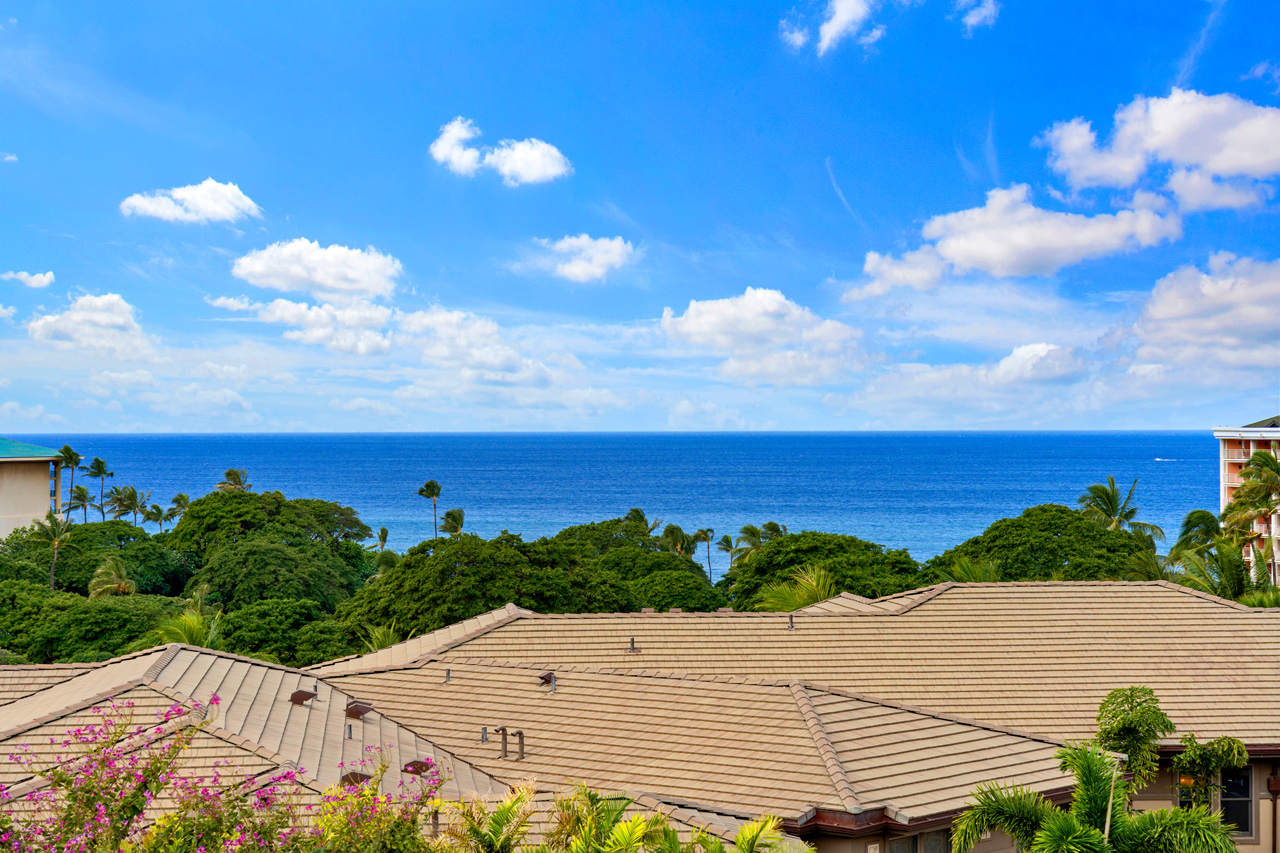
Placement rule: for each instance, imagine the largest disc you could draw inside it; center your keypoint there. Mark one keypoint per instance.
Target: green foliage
(857, 566)
(631, 563)
(690, 592)
(1048, 542)
(21, 569)
(1130, 721)
(1270, 598)
(806, 587)
(447, 580)
(50, 626)
(1199, 766)
(260, 567)
(292, 631)
(967, 570)
(157, 570)
(601, 537)
(1101, 503)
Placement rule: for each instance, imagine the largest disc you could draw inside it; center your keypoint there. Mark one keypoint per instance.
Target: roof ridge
(1186, 590)
(938, 715)
(933, 593)
(79, 705)
(827, 751)
(595, 669)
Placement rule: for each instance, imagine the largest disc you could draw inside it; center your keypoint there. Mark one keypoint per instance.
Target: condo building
(1235, 446)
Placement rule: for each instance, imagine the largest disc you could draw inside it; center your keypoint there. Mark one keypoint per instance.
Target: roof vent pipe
(446, 676)
(502, 730)
(484, 734)
(519, 733)
(791, 621)
(549, 678)
(632, 648)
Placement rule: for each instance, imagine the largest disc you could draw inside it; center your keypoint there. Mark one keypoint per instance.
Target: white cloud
(234, 303)
(364, 404)
(208, 201)
(792, 35)
(6, 313)
(844, 19)
(39, 279)
(224, 372)
(1009, 236)
(688, 414)
(1197, 191)
(104, 323)
(334, 272)
(1265, 70)
(1223, 136)
(527, 161)
(352, 327)
(191, 399)
(767, 338)
(977, 13)
(12, 409)
(1222, 318)
(586, 258)
(8, 158)
(460, 338)
(872, 36)
(106, 381)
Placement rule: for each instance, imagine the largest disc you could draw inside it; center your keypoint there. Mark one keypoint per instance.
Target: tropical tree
(1147, 565)
(750, 539)
(431, 490)
(383, 533)
(377, 637)
(637, 516)
(772, 530)
(234, 480)
(68, 460)
(674, 537)
(725, 544)
(1198, 768)
(1101, 502)
(1199, 528)
(704, 534)
(1223, 571)
(177, 506)
(762, 835)
(1270, 598)
(1257, 497)
(453, 519)
(81, 499)
(806, 587)
(970, 570)
(111, 578)
(588, 821)
(1131, 722)
(194, 627)
(473, 828)
(57, 533)
(1098, 821)
(98, 470)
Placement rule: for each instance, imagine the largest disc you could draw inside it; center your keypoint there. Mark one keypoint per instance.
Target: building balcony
(1232, 453)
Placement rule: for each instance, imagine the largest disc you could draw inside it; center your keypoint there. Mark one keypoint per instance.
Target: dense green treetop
(48, 626)
(602, 536)
(223, 518)
(631, 563)
(1047, 542)
(666, 589)
(857, 566)
(294, 632)
(447, 580)
(259, 567)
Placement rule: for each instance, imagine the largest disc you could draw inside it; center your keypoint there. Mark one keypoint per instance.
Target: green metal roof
(1269, 423)
(10, 449)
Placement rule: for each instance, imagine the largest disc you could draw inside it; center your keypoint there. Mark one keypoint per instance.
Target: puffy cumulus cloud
(461, 339)
(1031, 376)
(584, 258)
(102, 323)
(7, 313)
(365, 405)
(13, 409)
(767, 338)
(526, 161)
(844, 18)
(1197, 191)
(39, 279)
(329, 272)
(193, 399)
(1220, 136)
(353, 327)
(1010, 237)
(8, 158)
(207, 201)
(1220, 318)
(977, 13)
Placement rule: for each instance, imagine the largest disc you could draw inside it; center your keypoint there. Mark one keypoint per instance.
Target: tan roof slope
(1038, 657)
(255, 713)
(425, 644)
(19, 681)
(754, 745)
(848, 604)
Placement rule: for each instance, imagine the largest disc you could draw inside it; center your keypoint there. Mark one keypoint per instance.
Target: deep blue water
(922, 491)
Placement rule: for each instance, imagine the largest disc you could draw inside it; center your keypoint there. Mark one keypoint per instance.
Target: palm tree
(111, 578)
(1258, 497)
(81, 500)
(750, 539)
(377, 637)
(704, 535)
(1223, 571)
(382, 540)
(1102, 503)
(1268, 599)
(636, 515)
(674, 537)
(453, 519)
(97, 470)
(154, 514)
(431, 489)
(1199, 528)
(475, 829)
(68, 459)
(177, 507)
(1147, 565)
(587, 821)
(57, 533)
(234, 480)
(772, 530)
(115, 502)
(192, 627)
(1099, 820)
(762, 835)
(806, 587)
(725, 544)
(969, 570)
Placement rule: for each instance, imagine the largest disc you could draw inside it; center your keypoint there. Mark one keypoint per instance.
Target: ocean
(925, 492)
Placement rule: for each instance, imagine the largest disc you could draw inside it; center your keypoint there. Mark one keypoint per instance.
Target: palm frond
(1017, 812)
(1174, 831)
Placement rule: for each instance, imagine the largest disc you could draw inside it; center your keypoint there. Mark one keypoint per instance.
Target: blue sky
(844, 214)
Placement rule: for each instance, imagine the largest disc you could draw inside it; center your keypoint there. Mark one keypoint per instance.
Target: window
(934, 842)
(903, 845)
(1236, 798)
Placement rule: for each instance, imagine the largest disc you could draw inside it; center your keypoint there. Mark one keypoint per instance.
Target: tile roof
(749, 744)
(10, 449)
(1038, 657)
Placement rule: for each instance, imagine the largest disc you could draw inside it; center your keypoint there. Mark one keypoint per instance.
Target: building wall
(1162, 794)
(24, 493)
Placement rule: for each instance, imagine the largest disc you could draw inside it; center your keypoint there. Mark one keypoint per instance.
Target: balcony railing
(1236, 454)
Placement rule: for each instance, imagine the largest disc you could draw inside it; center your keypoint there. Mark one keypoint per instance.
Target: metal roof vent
(632, 648)
(299, 697)
(354, 778)
(549, 678)
(357, 709)
(416, 767)
(791, 622)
